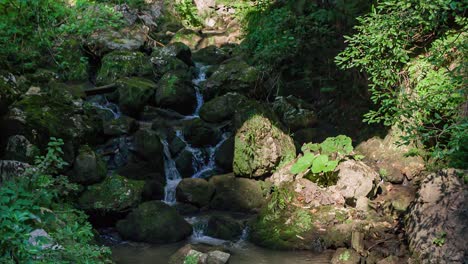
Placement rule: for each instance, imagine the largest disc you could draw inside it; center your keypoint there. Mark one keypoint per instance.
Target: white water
(172, 175)
(105, 105)
(201, 77)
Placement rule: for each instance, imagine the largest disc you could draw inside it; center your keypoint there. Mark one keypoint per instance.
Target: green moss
(119, 64)
(134, 93)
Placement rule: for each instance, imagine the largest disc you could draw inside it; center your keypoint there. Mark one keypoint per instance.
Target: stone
(188, 37)
(218, 257)
(184, 163)
(134, 93)
(148, 146)
(137, 169)
(40, 238)
(11, 168)
(346, 256)
(224, 155)
(88, 167)
(104, 41)
(224, 227)
(236, 194)
(389, 260)
(355, 179)
(204, 254)
(200, 134)
(154, 222)
(171, 58)
(294, 113)
(222, 108)
(19, 148)
(176, 93)
(154, 190)
(210, 55)
(439, 213)
(118, 64)
(115, 194)
(123, 125)
(195, 191)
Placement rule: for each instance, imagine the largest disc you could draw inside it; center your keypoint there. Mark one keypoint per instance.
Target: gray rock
(356, 179)
(345, 256)
(195, 191)
(19, 148)
(88, 167)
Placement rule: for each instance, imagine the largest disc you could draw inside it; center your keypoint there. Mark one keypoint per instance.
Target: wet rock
(11, 168)
(154, 222)
(224, 155)
(19, 148)
(345, 256)
(200, 134)
(294, 113)
(218, 257)
(390, 159)
(171, 58)
(260, 147)
(233, 75)
(176, 93)
(140, 170)
(118, 64)
(188, 37)
(436, 223)
(176, 146)
(195, 191)
(154, 189)
(184, 163)
(115, 194)
(88, 167)
(123, 125)
(134, 93)
(222, 108)
(210, 55)
(201, 253)
(236, 194)
(356, 179)
(224, 227)
(148, 146)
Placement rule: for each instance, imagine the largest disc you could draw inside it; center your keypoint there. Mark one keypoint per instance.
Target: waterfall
(201, 77)
(102, 103)
(172, 175)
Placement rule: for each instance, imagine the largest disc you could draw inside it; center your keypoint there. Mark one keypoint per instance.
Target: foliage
(414, 53)
(191, 259)
(440, 239)
(37, 200)
(188, 13)
(345, 256)
(322, 159)
(280, 198)
(37, 33)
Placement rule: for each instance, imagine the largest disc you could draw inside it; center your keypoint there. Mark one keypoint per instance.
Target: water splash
(201, 77)
(200, 225)
(172, 175)
(102, 103)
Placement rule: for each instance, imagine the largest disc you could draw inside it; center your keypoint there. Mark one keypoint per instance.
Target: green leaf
(303, 163)
(319, 163)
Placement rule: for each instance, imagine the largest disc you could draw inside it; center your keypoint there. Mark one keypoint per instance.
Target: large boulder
(195, 191)
(118, 64)
(222, 108)
(175, 57)
(148, 146)
(236, 194)
(294, 113)
(122, 125)
(134, 93)
(436, 225)
(184, 163)
(200, 134)
(260, 146)
(233, 75)
(176, 93)
(154, 222)
(224, 155)
(19, 148)
(88, 167)
(224, 227)
(355, 179)
(115, 194)
(104, 41)
(210, 55)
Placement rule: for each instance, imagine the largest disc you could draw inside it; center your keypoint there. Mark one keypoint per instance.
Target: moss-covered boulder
(115, 194)
(176, 92)
(236, 194)
(134, 93)
(346, 256)
(148, 146)
(210, 55)
(222, 108)
(106, 40)
(260, 146)
(200, 134)
(195, 191)
(88, 167)
(118, 64)
(233, 75)
(19, 148)
(188, 37)
(224, 155)
(154, 222)
(224, 227)
(184, 163)
(122, 125)
(175, 57)
(294, 113)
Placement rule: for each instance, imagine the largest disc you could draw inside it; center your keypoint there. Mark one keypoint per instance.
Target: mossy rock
(224, 227)
(195, 191)
(154, 222)
(116, 194)
(294, 113)
(88, 167)
(118, 64)
(236, 194)
(176, 92)
(260, 145)
(134, 93)
(123, 125)
(210, 55)
(224, 155)
(188, 37)
(200, 134)
(174, 57)
(184, 163)
(149, 147)
(222, 108)
(19, 148)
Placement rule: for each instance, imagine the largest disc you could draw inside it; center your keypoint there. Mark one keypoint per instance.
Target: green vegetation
(39, 200)
(414, 54)
(188, 13)
(440, 239)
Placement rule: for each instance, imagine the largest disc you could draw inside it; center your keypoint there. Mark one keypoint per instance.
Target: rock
(314, 195)
(389, 260)
(40, 238)
(154, 222)
(294, 113)
(188, 37)
(236, 194)
(355, 179)
(11, 168)
(199, 253)
(88, 167)
(134, 93)
(115, 194)
(387, 157)
(176, 146)
(149, 147)
(195, 191)
(218, 257)
(222, 108)
(123, 125)
(19, 148)
(346, 256)
(436, 223)
(184, 163)
(154, 189)
(118, 64)
(171, 58)
(140, 170)
(233, 75)
(224, 155)
(210, 55)
(176, 93)
(126, 39)
(200, 134)
(260, 147)
(224, 227)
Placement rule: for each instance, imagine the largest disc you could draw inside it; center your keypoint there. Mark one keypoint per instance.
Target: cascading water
(172, 175)
(102, 103)
(201, 77)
